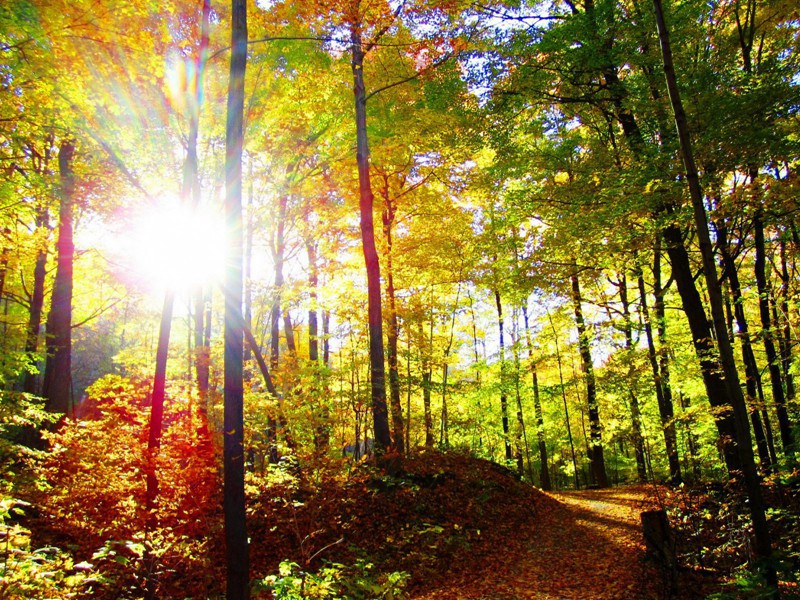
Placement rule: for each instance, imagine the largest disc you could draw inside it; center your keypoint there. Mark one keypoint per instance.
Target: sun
(172, 246)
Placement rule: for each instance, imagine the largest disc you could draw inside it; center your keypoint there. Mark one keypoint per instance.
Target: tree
(743, 443)
(238, 581)
(58, 372)
(380, 413)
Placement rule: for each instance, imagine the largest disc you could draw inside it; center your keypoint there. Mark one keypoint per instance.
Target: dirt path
(579, 545)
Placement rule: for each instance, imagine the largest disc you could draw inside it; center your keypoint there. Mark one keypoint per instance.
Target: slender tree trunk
(408, 390)
(380, 415)
(743, 444)
(661, 326)
(544, 470)
(691, 438)
(665, 408)
(394, 330)
(37, 303)
(564, 398)
(522, 434)
(275, 319)
(503, 395)
(248, 259)
(444, 437)
(238, 562)
(157, 400)
(192, 182)
(636, 414)
(753, 382)
(58, 368)
(786, 337)
(322, 427)
(596, 459)
(773, 362)
(426, 386)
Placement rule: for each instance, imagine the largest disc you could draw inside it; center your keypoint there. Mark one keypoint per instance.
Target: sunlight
(176, 247)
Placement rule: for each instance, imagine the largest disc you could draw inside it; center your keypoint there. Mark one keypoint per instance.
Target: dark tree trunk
(37, 304)
(691, 438)
(703, 345)
(394, 330)
(636, 413)
(503, 394)
(597, 462)
(763, 544)
(238, 562)
(288, 330)
(157, 399)
(522, 433)
(380, 415)
(767, 334)
(58, 368)
(786, 334)
(753, 382)
(661, 325)
(544, 470)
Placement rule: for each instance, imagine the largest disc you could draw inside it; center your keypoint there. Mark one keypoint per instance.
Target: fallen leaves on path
(586, 545)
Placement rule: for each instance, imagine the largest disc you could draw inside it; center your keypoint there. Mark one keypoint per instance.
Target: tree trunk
(380, 415)
(597, 462)
(564, 398)
(773, 363)
(192, 187)
(394, 331)
(636, 413)
(663, 352)
(544, 470)
(322, 435)
(238, 563)
(275, 320)
(503, 395)
(37, 304)
(426, 386)
(522, 434)
(716, 389)
(58, 369)
(753, 381)
(786, 335)
(743, 444)
(157, 399)
(665, 408)
(691, 438)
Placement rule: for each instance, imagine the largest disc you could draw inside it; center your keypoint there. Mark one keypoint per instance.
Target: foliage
(46, 572)
(94, 487)
(334, 581)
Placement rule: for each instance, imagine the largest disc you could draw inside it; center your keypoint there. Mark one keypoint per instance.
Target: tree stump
(660, 543)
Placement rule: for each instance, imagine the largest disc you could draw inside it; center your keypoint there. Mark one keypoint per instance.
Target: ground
(586, 545)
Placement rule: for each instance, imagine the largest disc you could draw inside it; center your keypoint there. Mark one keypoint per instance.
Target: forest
(399, 299)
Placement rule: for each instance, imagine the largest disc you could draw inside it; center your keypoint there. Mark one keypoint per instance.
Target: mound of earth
(437, 519)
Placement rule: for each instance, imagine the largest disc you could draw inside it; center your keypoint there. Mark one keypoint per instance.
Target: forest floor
(587, 544)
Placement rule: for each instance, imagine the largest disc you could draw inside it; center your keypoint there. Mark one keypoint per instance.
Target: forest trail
(584, 545)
